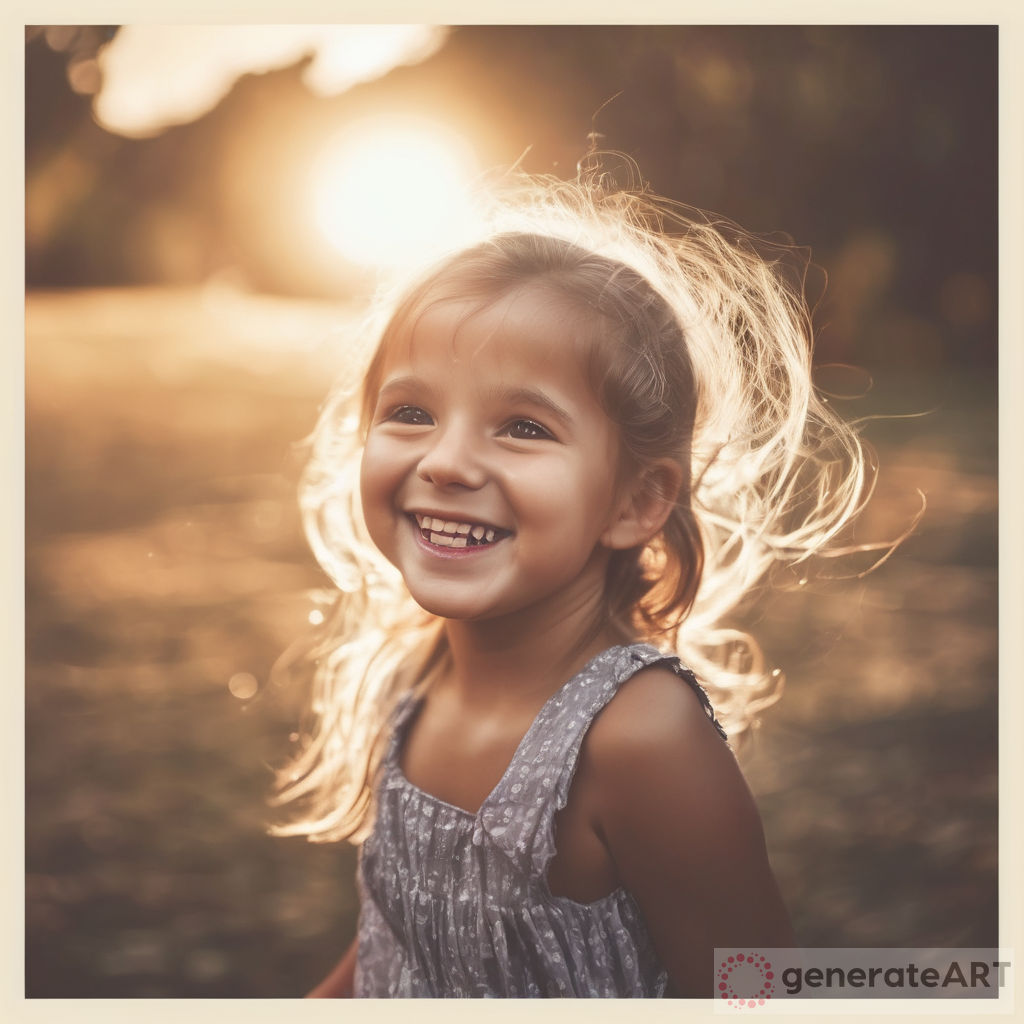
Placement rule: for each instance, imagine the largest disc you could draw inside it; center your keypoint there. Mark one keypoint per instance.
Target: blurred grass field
(164, 558)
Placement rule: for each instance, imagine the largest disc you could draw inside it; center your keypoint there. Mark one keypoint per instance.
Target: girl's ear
(644, 507)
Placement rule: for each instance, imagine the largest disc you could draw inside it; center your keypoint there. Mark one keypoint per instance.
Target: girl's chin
(447, 605)
(457, 610)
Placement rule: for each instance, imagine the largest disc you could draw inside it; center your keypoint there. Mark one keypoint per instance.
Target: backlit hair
(701, 353)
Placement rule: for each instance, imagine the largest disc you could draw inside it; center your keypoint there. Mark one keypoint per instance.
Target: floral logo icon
(745, 980)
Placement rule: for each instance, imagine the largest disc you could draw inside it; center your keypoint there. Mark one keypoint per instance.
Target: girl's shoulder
(657, 732)
(652, 691)
(656, 706)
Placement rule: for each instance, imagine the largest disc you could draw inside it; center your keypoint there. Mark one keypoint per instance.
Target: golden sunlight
(387, 190)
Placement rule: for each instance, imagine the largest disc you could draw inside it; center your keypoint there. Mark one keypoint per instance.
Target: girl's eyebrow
(407, 384)
(534, 396)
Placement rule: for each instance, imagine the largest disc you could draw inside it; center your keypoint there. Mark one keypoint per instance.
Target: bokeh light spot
(965, 300)
(243, 685)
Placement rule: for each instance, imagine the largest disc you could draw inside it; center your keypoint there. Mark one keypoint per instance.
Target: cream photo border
(1008, 14)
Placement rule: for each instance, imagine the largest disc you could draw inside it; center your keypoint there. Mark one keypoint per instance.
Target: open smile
(451, 533)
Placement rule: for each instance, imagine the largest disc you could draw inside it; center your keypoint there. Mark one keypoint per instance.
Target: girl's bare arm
(682, 829)
(338, 984)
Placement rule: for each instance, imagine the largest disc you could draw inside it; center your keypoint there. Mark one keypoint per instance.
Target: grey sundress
(457, 904)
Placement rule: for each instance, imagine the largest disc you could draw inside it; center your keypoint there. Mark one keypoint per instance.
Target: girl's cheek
(387, 465)
(376, 480)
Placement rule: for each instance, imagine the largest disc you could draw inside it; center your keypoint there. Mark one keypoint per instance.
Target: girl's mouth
(449, 533)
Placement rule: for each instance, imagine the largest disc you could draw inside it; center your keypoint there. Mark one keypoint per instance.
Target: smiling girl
(582, 443)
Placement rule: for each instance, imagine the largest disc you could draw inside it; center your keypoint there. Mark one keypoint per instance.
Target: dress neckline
(409, 716)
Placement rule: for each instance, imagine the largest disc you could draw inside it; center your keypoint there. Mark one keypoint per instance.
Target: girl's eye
(411, 414)
(527, 430)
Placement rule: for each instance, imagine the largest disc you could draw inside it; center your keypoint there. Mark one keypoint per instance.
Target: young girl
(582, 441)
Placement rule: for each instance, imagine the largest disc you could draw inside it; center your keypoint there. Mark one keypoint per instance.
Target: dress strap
(518, 817)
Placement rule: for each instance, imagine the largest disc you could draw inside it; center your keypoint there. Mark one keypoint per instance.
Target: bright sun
(386, 190)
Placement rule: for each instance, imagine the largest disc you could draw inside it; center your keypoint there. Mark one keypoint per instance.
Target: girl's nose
(454, 460)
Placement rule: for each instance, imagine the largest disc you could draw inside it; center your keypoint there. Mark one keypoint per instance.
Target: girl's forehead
(533, 321)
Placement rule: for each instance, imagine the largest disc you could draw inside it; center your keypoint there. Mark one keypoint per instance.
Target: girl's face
(489, 474)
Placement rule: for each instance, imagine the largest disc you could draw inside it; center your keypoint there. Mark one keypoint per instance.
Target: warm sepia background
(187, 308)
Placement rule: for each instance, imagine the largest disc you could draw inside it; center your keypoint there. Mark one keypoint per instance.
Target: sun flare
(386, 191)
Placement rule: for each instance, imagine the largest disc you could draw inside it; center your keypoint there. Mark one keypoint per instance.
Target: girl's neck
(529, 654)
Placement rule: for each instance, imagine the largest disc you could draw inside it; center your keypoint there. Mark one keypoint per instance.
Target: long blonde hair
(772, 475)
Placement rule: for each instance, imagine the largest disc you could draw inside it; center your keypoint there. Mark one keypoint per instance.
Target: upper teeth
(448, 530)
